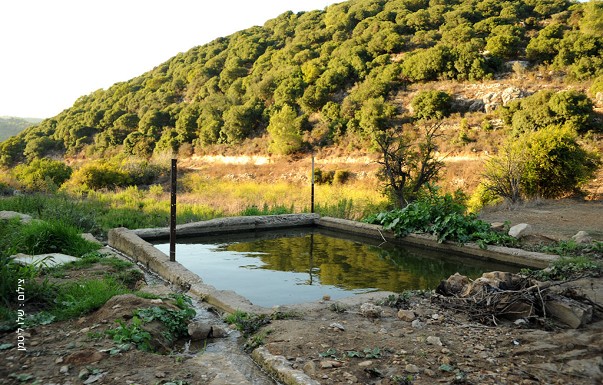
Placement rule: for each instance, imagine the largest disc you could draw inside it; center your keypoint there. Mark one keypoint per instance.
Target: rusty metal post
(173, 212)
(312, 192)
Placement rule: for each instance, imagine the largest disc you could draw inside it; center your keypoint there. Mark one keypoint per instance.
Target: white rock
(582, 237)
(336, 325)
(198, 330)
(521, 230)
(12, 214)
(370, 311)
(406, 315)
(431, 340)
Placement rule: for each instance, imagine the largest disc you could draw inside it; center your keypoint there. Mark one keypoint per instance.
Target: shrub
(431, 105)
(556, 164)
(42, 174)
(440, 215)
(545, 108)
(341, 176)
(548, 163)
(323, 177)
(40, 237)
(96, 176)
(597, 86)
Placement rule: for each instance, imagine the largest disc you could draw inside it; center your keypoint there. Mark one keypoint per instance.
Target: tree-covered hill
(317, 78)
(10, 126)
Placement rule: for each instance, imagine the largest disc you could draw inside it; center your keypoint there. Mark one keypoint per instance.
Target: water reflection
(283, 267)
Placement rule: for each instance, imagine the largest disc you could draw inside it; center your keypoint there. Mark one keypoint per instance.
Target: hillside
(330, 79)
(10, 126)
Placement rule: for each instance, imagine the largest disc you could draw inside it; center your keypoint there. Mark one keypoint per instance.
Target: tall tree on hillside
(409, 163)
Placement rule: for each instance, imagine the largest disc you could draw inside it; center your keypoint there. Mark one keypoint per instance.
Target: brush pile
(497, 296)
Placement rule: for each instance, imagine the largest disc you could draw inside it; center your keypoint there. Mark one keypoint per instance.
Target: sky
(54, 51)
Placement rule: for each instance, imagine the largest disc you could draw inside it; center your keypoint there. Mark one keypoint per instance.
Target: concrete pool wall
(133, 243)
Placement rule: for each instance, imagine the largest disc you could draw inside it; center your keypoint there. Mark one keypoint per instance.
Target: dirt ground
(339, 343)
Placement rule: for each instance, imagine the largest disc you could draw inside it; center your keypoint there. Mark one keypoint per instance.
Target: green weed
(443, 216)
(247, 323)
(175, 321)
(78, 298)
(39, 237)
(568, 268)
(132, 333)
(266, 210)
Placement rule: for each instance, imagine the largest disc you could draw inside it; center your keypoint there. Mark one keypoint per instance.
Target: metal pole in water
(173, 212)
(312, 193)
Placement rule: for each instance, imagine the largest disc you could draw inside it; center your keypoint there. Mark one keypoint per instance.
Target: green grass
(78, 298)
(53, 236)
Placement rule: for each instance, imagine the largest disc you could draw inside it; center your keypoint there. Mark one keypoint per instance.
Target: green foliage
(545, 108)
(592, 19)
(596, 86)
(247, 323)
(343, 208)
(431, 104)
(174, 321)
(440, 215)
(52, 236)
(568, 267)
(78, 298)
(285, 131)
(408, 163)
(548, 163)
(131, 334)
(42, 174)
(96, 176)
(556, 164)
(266, 210)
(223, 91)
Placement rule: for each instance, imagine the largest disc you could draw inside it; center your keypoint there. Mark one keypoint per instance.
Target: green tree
(42, 174)
(592, 19)
(375, 115)
(285, 131)
(409, 162)
(556, 164)
(431, 105)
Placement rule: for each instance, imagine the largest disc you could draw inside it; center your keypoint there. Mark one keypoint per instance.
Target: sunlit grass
(232, 197)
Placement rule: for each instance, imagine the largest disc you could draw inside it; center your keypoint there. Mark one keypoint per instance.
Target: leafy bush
(443, 216)
(97, 176)
(596, 86)
(40, 237)
(548, 163)
(545, 108)
(323, 177)
(431, 105)
(341, 176)
(42, 174)
(556, 164)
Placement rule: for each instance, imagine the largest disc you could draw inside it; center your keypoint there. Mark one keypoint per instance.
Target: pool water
(296, 266)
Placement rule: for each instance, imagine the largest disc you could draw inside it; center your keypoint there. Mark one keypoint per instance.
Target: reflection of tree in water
(353, 265)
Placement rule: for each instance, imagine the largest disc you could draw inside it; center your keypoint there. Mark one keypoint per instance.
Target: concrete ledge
(130, 244)
(281, 368)
(231, 225)
(494, 253)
